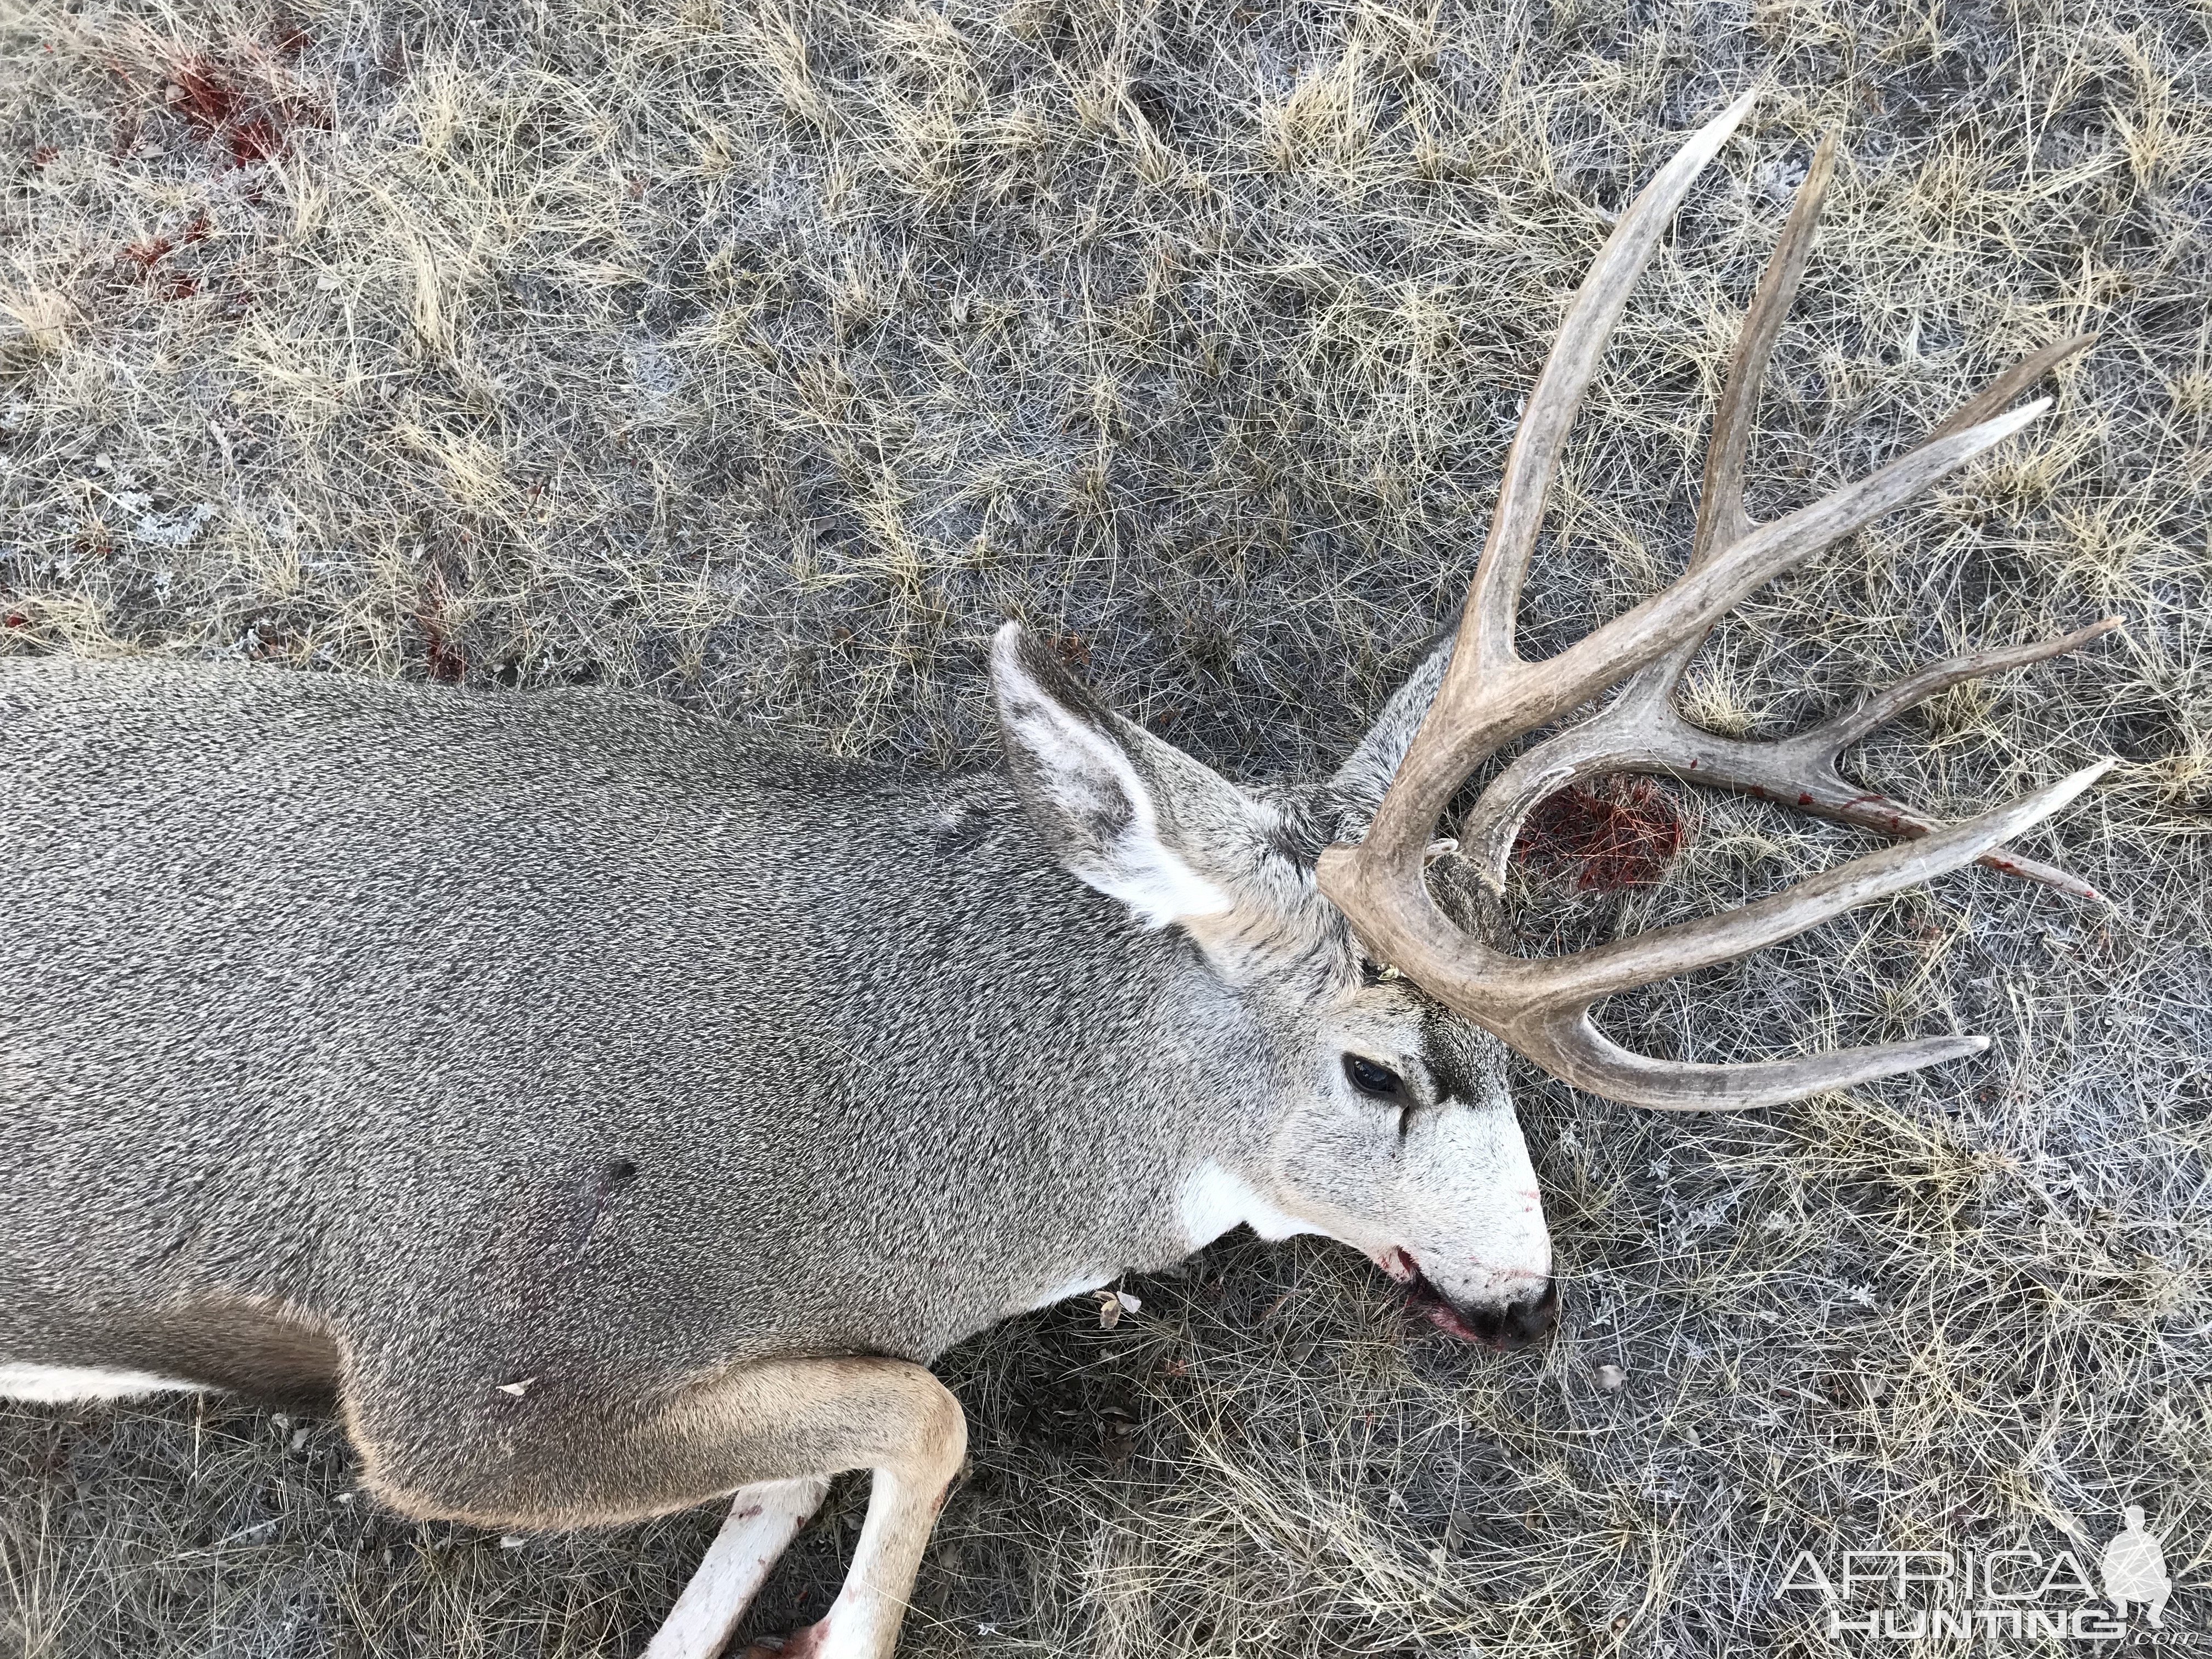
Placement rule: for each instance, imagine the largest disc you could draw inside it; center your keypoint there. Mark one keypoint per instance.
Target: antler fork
(1491, 695)
(1642, 730)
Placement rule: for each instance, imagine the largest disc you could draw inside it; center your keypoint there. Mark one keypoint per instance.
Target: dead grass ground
(764, 356)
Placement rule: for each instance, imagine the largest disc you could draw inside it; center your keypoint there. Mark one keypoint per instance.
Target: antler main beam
(1491, 695)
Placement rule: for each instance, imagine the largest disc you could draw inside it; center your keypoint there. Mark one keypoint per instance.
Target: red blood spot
(448, 664)
(17, 619)
(146, 254)
(177, 285)
(198, 231)
(199, 92)
(1621, 833)
(254, 141)
(44, 153)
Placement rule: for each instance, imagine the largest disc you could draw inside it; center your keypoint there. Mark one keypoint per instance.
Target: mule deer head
(1396, 1133)
(1382, 1119)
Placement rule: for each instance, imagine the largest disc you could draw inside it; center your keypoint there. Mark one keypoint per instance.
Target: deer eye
(1376, 1082)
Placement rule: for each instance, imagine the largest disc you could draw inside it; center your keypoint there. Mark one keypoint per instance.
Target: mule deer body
(595, 1105)
(609, 1114)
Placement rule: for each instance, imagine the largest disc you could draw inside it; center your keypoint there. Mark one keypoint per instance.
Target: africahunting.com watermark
(1910, 1595)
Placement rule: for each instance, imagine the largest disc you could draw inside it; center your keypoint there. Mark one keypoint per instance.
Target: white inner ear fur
(1092, 782)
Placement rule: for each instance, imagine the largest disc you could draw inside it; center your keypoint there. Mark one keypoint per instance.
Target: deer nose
(1518, 1323)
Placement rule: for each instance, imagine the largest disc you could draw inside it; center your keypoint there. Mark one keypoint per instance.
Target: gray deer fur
(502, 1065)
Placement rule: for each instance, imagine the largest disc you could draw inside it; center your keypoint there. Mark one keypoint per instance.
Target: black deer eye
(1375, 1081)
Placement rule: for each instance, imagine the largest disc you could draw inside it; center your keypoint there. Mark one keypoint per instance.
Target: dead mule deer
(609, 1115)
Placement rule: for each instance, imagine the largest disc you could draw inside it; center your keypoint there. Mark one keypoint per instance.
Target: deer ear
(1131, 815)
(1356, 789)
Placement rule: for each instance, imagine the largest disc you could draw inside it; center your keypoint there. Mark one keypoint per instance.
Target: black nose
(1517, 1324)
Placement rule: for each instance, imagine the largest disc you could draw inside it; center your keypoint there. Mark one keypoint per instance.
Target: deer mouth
(1514, 1324)
(1427, 1301)
(1423, 1297)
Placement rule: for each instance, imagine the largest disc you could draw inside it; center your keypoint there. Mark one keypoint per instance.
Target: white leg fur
(763, 1520)
(863, 1622)
(62, 1384)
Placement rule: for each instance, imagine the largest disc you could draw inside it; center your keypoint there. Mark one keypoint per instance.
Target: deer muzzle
(1516, 1318)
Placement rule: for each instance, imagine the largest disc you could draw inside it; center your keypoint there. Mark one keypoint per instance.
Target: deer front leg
(776, 1429)
(763, 1520)
(863, 1622)
(913, 1439)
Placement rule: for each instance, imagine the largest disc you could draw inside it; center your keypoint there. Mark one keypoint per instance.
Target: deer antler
(1642, 730)
(1491, 695)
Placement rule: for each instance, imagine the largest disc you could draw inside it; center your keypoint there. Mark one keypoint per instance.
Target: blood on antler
(1491, 695)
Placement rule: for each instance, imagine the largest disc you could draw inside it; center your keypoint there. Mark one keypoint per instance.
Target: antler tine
(1721, 517)
(1886, 704)
(1544, 1010)
(1562, 1040)
(2009, 385)
(1576, 1050)
(1494, 597)
(1722, 520)
(1490, 696)
(1799, 772)
(1578, 980)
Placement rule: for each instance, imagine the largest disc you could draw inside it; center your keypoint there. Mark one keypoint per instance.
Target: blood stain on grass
(252, 130)
(254, 141)
(1621, 833)
(200, 93)
(169, 284)
(448, 665)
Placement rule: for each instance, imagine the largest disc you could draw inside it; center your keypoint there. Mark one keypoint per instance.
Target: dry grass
(763, 355)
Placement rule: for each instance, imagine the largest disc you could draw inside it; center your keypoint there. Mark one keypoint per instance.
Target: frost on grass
(763, 357)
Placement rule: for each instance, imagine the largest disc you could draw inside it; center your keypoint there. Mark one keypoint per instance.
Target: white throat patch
(1216, 1200)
